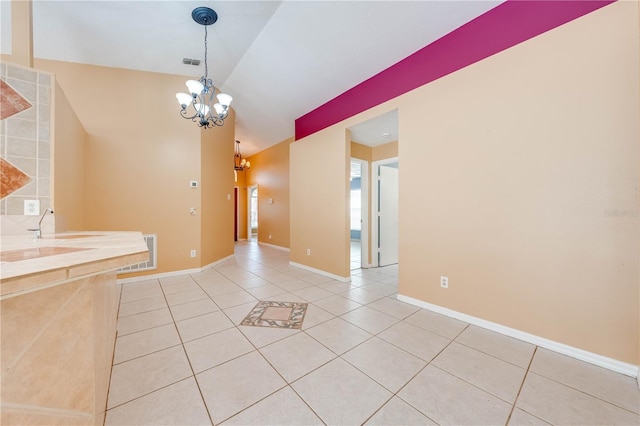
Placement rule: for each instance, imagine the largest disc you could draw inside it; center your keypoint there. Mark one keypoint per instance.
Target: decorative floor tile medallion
(276, 314)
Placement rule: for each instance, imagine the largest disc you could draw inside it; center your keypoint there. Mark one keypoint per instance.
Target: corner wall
(319, 166)
(270, 171)
(216, 192)
(68, 165)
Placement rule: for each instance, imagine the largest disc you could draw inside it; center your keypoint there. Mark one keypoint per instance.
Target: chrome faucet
(37, 232)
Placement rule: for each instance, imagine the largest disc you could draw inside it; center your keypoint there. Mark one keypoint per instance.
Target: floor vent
(150, 264)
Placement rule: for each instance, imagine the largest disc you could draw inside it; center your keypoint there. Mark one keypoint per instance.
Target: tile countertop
(29, 264)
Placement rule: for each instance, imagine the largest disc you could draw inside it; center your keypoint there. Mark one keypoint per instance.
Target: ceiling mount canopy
(199, 104)
(204, 15)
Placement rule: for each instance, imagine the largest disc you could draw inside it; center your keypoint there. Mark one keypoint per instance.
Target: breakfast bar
(59, 300)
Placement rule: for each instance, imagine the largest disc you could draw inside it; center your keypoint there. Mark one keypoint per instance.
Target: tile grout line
(184, 350)
(515, 401)
(396, 394)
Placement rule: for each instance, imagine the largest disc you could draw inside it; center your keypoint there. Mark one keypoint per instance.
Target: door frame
(364, 205)
(375, 203)
(236, 198)
(249, 191)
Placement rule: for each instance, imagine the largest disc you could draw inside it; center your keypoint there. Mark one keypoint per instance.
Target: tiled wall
(25, 143)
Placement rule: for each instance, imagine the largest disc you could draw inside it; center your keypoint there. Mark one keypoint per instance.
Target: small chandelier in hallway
(239, 163)
(199, 105)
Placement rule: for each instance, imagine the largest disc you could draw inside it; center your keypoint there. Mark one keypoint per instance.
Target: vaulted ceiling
(278, 59)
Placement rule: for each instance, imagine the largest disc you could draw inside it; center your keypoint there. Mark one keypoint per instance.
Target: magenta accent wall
(504, 26)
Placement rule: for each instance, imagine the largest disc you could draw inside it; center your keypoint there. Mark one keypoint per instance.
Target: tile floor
(361, 357)
(356, 256)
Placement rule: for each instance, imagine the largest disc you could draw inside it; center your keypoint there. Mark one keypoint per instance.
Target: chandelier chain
(206, 67)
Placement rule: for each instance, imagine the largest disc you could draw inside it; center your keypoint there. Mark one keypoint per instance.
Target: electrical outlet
(269, 236)
(193, 253)
(308, 252)
(444, 282)
(31, 207)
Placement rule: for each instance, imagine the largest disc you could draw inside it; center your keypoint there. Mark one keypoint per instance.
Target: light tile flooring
(360, 357)
(356, 256)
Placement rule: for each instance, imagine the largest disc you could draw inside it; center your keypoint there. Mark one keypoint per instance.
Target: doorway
(236, 214)
(385, 215)
(359, 212)
(252, 212)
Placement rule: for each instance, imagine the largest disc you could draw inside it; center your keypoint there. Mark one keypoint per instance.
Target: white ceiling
(278, 59)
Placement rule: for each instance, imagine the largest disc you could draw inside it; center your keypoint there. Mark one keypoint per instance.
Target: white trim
(375, 167)
(173, 273)
(260, 243)
(237, 207)
(321, 272)
(249, 233)
(217, 262)
(590, 357)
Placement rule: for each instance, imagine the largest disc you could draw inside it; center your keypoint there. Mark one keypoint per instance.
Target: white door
(388, 214)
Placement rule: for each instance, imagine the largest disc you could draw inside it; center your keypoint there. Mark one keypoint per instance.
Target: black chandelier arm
(184, 114)
(217, 121)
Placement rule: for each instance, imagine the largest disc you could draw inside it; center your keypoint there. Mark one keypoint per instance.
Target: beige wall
(519, 161)
(382, 152)
(217, 192)
(361, 152)
(515, 199)
(140, 156)
(270, 171)
(319, 200)
(68, 167)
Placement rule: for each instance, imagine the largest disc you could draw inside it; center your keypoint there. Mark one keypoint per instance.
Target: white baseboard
(321, 272)
(217, 262)
(590, 357)
(273, 246)
(173, 273)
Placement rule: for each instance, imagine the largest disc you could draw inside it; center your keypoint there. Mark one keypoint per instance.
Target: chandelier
(239, 163)
(198, 105)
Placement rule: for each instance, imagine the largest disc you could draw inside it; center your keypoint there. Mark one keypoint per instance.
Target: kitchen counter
(59, 309)
(28, 263)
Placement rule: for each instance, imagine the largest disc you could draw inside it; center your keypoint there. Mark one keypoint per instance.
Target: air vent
(150, 264)
(189, 61)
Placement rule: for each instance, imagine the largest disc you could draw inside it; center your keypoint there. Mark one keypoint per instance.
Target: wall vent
(189, 61)
(151, 240)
